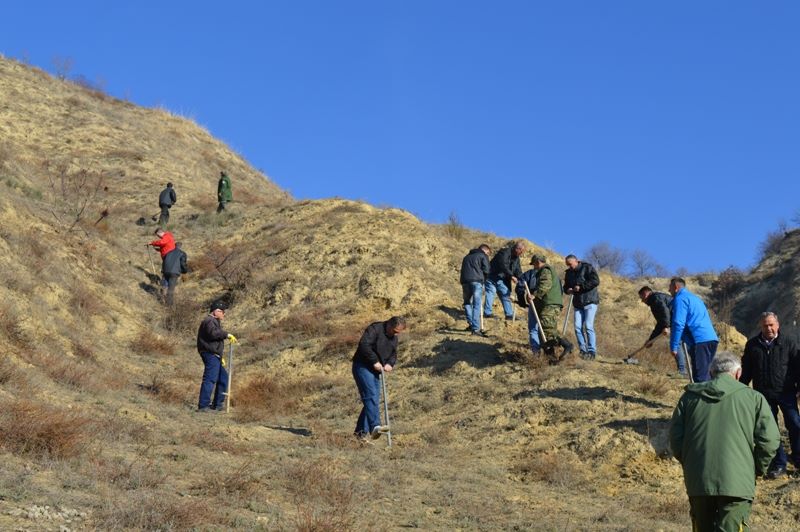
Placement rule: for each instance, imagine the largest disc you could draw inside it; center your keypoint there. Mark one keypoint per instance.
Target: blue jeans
(473, 293)
(791, 418)
(494, 286)
(533, 331)
(701, 356)
(215, 380)
(369, 388)
(584, 317)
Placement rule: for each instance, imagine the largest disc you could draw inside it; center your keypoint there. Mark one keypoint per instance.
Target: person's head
(726, 362)
(169, 185)
(769, 325)
(160, 232)
(223, 174)
(538, 260)
(218, 309)
(571, 261)
(395, 325)
(644, 293)
(485, 248)
(178, 244)
(675, 285)
(519, 249)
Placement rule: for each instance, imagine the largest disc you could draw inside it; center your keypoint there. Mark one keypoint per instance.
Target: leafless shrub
(149, 343)
(643, 265)
(166, 391)
(12, 329)
(437, 435)
(41, 430)
(606, 257)
(323, 497)
(72, 193)
(147, 509)
(652, 385)
(772, 241)
(556, 468)
(183, 315)
(264, 396)
(83, 350)
(310, 323)
(231, 266)
(242, 482)
(62, 65)
(130, 474)
(454, 228)
(85, 300)
(341, 340)
(8, 373)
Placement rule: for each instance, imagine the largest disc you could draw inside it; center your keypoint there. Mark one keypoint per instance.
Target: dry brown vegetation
(100, 383)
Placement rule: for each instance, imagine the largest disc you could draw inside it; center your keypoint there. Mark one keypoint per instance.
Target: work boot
(480, 333)
(563, 342)
(378, 430)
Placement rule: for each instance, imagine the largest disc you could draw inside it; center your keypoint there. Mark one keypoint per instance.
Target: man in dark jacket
(166, 200)
(172, 267)
(659, 304)
(581, 281)
(503, 269)
(474, 271)
(211, 346)
(771, 362)
(723, 435)
(376, 353)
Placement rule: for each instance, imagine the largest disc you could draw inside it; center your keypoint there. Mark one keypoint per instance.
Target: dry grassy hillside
(98, 429)
(773, 285)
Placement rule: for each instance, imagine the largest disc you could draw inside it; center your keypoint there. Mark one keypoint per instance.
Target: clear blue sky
(669, 126)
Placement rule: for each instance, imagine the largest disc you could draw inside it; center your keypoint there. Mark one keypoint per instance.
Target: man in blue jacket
(691, 325)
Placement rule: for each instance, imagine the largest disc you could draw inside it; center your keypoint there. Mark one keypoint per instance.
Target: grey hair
(765, 315)
(397, 321)
(725, 362)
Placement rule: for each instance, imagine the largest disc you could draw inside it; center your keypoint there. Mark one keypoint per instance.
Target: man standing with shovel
(375, 357)
(549, 299)
(659, 304)
(211, 346)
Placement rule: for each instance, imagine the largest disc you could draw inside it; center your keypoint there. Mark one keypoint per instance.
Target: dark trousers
(163, 220)
(215, 381)
(791, 418)
(701, 356)
(168, 282)
(719, 514)
(221, 206)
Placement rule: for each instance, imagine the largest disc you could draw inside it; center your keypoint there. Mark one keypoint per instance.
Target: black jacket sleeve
(173, 196)
(747, 365)
(660, 309)
(590, 279)
(485, 266)
(184, 268)
(367, 345)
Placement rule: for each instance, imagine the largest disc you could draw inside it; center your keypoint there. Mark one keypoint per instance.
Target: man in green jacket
(724, 435)
(224, 191)
(548, 301)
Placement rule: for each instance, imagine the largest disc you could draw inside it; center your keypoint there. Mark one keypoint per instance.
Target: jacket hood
(716, 389)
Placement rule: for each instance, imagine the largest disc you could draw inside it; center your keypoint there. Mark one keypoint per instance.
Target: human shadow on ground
(655, 429)
(298, 431)
(449, 352)
(149, 288)
(455, 313)
(588, 393)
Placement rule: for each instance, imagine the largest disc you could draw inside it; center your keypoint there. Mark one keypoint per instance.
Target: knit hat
(538, 257)
(218, 305)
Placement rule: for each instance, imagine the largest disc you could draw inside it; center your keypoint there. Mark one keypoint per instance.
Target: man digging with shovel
(376, 355)
(659, 304)
(548, 299)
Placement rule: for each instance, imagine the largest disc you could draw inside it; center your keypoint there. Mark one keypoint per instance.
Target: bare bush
(653, 385)
(644, 265)
(72, 194)
(62, 65)
(606, 257)
(323, 497)
(231, 266)
(149, 343)
(264, 396)
(42, 430)
(12, 329)
(454, 228)
(146, 509)
(167, 391)
(556, 468)
(773, 240)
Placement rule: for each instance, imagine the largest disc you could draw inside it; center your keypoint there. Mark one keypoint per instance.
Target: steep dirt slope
(773, 285)
(100, 380)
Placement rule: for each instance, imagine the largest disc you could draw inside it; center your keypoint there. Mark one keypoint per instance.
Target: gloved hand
(232, 339)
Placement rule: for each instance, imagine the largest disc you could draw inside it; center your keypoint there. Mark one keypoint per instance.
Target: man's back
(723, 433)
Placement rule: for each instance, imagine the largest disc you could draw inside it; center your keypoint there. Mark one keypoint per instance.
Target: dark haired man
(474, 271)
(166, 200)
(581, 281)
(691, 324)
(659, 304)
(211, 346)
(503, 269)
(376, 353)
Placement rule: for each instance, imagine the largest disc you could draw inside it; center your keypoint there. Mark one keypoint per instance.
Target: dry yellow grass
(485, 437)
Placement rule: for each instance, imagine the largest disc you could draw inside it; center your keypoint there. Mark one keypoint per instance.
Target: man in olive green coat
(724, 435)
(548, 301)
(224, 191)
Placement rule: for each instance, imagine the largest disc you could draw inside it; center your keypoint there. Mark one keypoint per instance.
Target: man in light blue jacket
(691, 325)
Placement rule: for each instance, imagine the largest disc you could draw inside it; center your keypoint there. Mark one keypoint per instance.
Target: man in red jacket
(165, 242)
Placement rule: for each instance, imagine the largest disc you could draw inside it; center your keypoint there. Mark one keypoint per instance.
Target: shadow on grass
(453, 312)
(655, 429)
(297, 431)
(449, 352)
(588, 393)
(149, 288)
